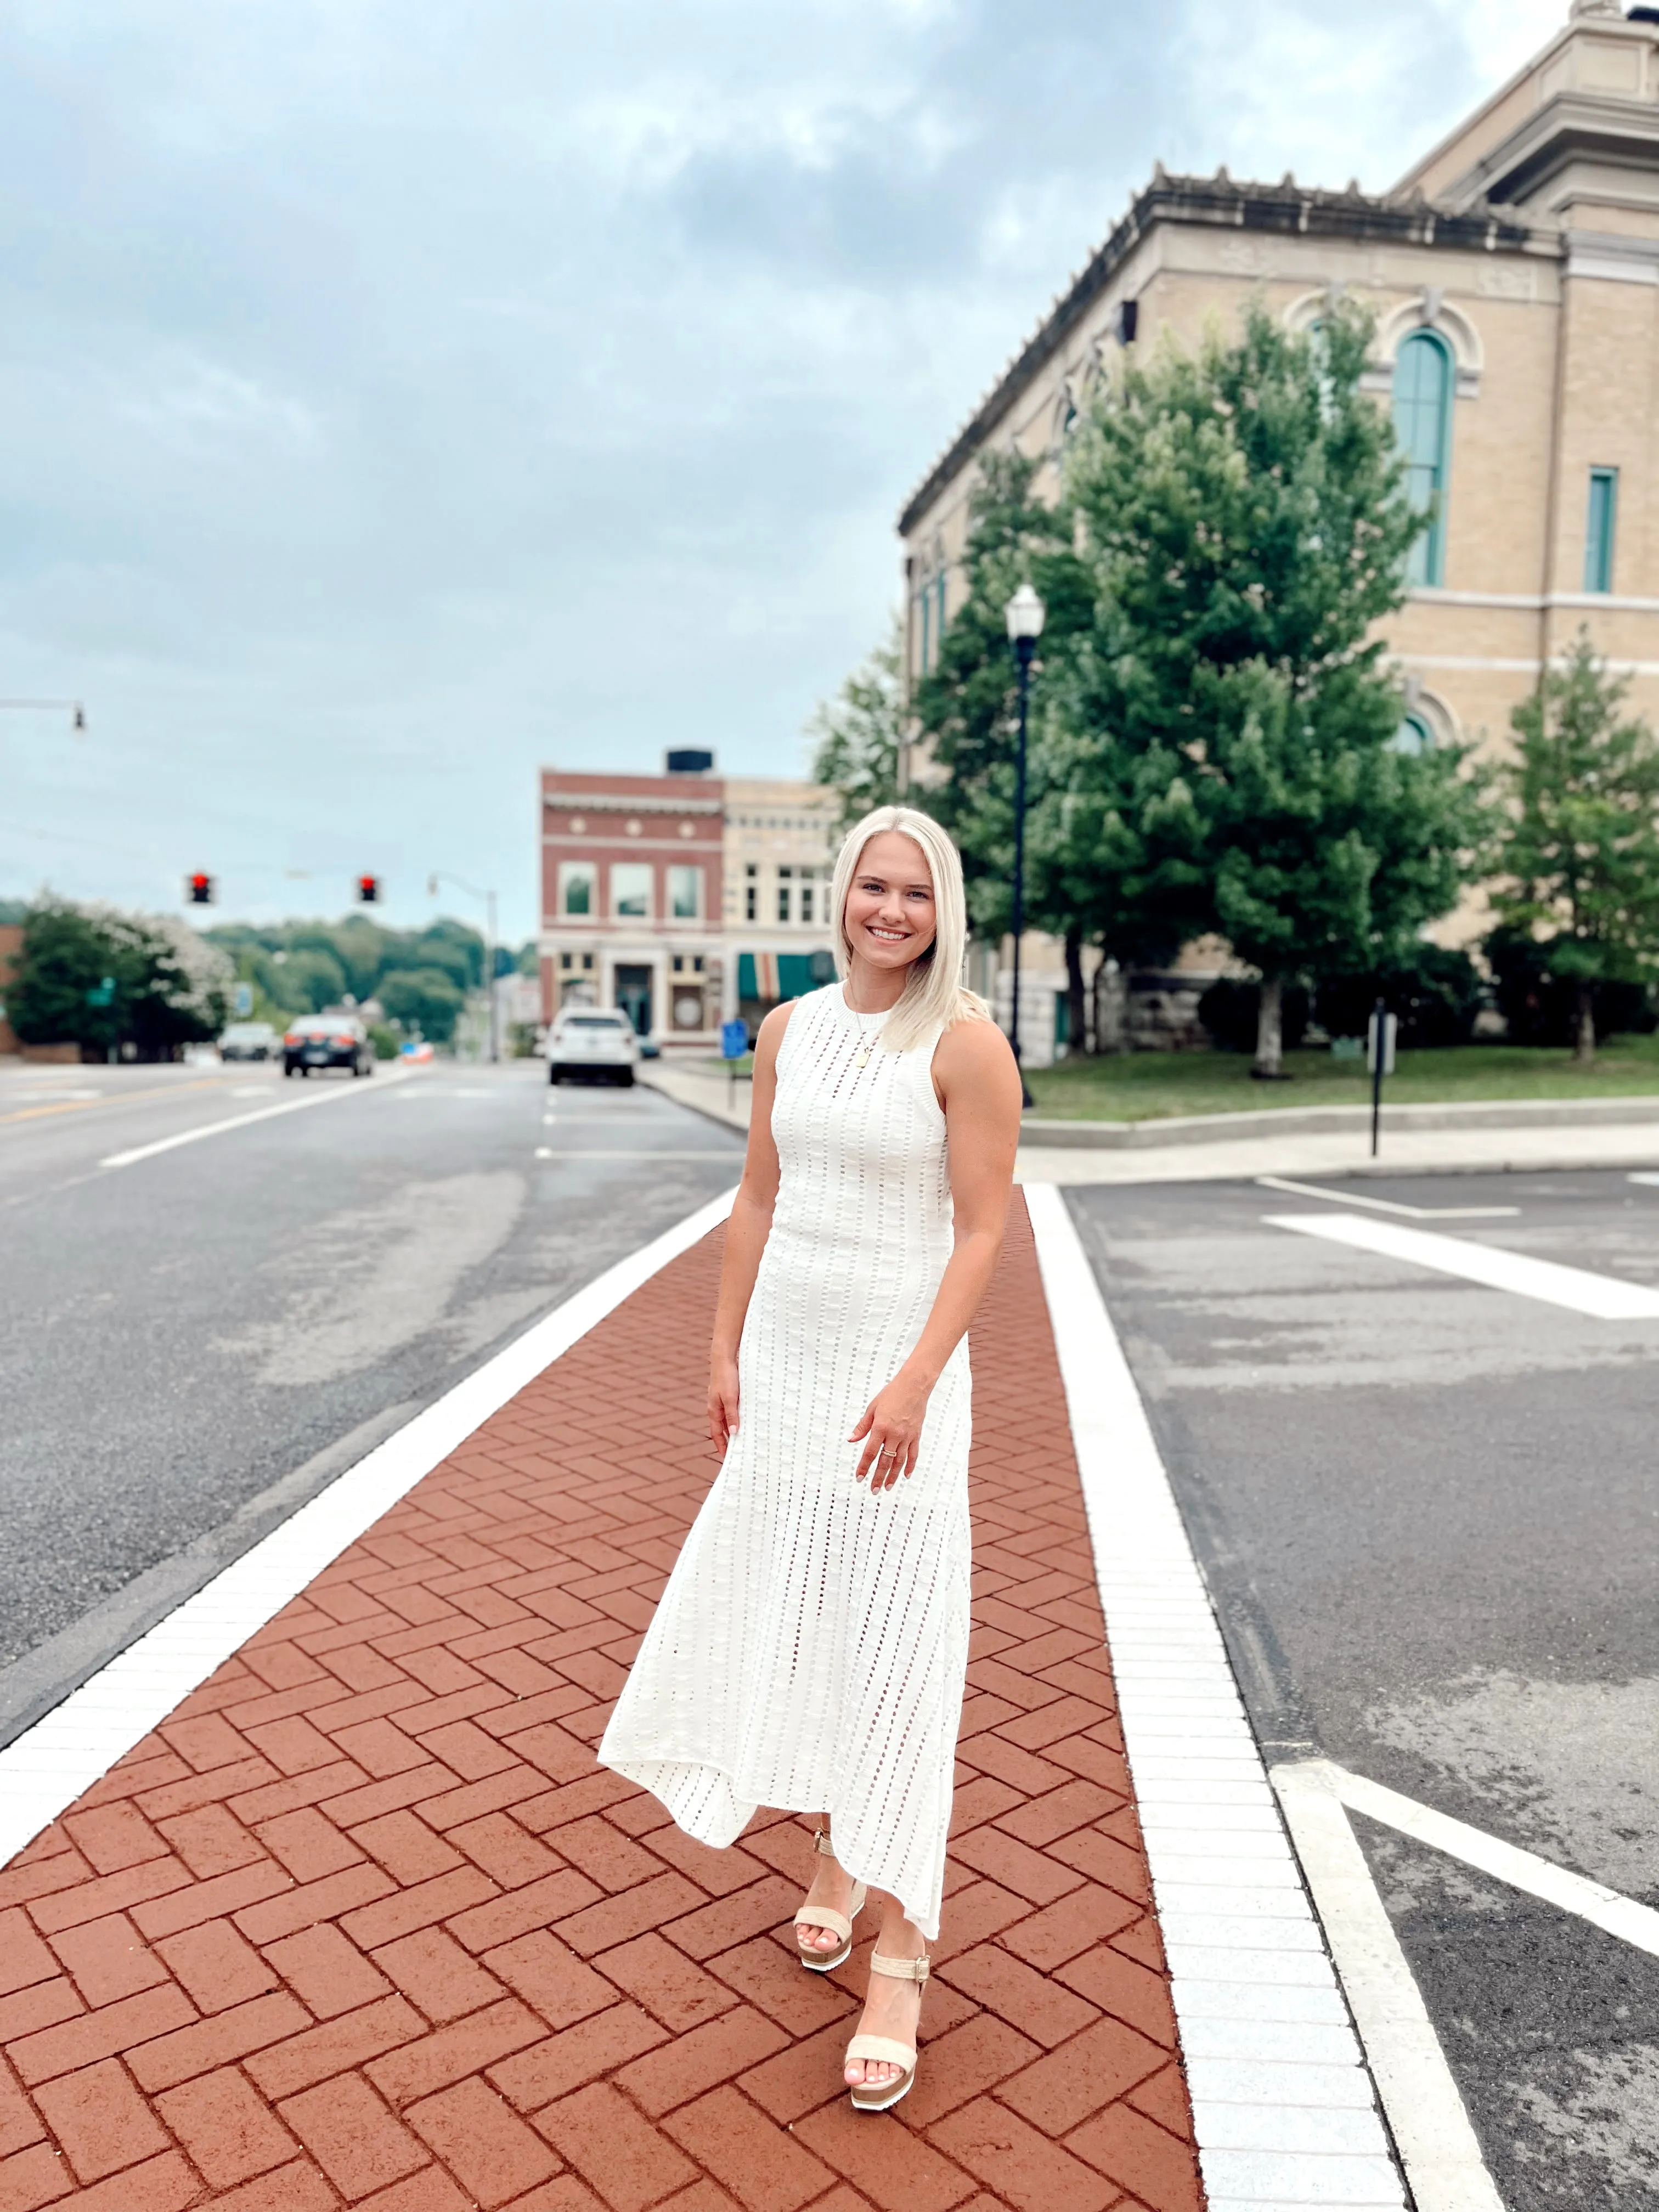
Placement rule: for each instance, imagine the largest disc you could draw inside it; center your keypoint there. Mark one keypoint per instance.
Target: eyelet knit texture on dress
(810, 1650)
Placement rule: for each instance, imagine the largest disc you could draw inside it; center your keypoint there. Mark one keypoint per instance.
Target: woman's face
(890, 920)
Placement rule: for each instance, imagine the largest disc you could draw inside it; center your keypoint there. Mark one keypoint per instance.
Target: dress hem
(630, 1770)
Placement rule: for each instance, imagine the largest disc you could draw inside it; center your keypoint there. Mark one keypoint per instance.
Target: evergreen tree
(858, 734)
(1581, 854)
(1245, 527)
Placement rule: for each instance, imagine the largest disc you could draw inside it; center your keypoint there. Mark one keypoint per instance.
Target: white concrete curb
(1283, 2104)
(46, 1768)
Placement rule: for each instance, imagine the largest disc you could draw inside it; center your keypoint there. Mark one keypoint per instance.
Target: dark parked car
(327, 1041)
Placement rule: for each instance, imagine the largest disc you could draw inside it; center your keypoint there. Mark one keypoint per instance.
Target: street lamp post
(441, 876)
(1025, 614)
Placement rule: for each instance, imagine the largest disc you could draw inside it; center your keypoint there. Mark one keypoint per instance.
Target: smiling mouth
(886, 936)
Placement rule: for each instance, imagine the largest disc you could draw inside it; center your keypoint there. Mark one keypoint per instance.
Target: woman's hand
(722, 1399)
(890, 1426)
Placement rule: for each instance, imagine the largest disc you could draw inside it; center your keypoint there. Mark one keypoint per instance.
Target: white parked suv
(590, 1041)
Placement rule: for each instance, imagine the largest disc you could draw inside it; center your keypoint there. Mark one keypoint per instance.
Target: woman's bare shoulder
(975, 1054)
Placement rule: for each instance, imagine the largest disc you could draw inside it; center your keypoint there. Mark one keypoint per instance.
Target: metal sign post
(1380, 1033)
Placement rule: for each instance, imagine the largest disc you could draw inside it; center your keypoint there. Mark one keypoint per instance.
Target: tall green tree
(1581, 854)
(1244, 522)
(95, 977)
(966, 717)
(858, 734)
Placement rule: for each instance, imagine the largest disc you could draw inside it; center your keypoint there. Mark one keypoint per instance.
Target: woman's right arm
(746, 1233)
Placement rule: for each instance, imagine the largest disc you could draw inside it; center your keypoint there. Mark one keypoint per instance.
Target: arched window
(1422, 422)
(1414, 736)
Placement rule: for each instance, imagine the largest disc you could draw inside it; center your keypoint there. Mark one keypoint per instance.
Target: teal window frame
(926, 604)
(579, 887)
(1423, 428)
(1600, 529)
(1414, 736)
(939, 617)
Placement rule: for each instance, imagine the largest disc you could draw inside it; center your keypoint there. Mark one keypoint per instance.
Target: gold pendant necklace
(866, 1039)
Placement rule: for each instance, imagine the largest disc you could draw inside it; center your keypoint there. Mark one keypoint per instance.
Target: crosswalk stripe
(1605, 1298)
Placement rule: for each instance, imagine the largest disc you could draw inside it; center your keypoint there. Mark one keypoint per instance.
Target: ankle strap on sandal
(821, 1843)
(902, 1970)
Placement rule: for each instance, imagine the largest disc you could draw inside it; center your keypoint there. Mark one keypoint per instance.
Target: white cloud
(393, 397)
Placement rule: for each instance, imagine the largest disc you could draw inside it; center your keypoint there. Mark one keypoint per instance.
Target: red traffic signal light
(368, 890)
(198, 889)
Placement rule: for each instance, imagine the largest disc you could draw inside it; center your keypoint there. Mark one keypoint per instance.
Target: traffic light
(368, 890)
(198, 889)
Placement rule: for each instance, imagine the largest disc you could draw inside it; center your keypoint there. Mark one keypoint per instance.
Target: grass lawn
(1145, 1086)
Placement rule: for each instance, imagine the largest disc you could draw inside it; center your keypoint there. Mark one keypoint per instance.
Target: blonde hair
(934, 994)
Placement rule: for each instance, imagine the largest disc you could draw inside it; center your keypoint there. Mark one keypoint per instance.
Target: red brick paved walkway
(363, 1923)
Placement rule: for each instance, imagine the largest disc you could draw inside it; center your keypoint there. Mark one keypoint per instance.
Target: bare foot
(832, 1887)
(891, 2008)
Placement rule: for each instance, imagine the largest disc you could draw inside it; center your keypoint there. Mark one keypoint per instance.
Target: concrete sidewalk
(1544, 1134)
(363, 1922)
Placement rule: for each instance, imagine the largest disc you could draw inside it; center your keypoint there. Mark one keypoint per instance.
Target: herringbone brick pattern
(363, 1923)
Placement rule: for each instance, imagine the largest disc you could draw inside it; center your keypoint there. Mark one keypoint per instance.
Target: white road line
(1605, 1298)
(1390, 1205)
(1244, 1949)
(1633, 1923)
(320, 1097)
(46, 1769)
(638, 1152)
(1644, 1177)
(1438, 2146)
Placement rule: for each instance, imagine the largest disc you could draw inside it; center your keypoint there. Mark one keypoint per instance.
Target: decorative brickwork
(363, 1924)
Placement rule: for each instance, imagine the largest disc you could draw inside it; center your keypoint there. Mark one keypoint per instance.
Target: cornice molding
(1285, 209)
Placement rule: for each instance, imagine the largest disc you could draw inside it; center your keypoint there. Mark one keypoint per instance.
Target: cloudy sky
(396, 395)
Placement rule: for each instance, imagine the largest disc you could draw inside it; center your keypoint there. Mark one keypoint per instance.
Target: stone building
(1513, 273)
(781, 839)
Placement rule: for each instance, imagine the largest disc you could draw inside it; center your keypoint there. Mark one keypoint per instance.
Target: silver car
(589, 1041)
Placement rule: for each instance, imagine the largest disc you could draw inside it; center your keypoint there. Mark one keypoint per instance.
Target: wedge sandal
(882, 2048)
(825, 1915)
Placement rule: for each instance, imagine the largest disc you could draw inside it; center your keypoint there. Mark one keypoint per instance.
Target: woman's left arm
(978, 1087)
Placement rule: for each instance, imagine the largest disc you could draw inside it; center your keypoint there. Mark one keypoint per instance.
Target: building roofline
(1216, 202)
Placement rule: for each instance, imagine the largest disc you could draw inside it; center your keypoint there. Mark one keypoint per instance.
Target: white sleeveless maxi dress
(810, 1650)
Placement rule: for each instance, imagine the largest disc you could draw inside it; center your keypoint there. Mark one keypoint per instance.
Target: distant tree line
(92, 975)
(1218, 745)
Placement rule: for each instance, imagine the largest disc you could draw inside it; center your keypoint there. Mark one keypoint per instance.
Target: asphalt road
(193, 1341)
(1429, 1514)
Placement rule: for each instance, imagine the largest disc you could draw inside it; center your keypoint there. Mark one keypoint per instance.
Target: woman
(810, 1649)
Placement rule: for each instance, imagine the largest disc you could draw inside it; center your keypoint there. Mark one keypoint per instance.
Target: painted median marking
(1390, 1205)
(321, 1097)
(47, 1767)
(1604, 1297)
(1604, 1908)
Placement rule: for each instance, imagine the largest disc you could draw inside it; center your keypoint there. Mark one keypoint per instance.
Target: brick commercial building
(685, 899)
(1513, 273)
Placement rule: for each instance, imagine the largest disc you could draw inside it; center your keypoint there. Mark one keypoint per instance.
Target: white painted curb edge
(1284, 2107)
(46, 1769)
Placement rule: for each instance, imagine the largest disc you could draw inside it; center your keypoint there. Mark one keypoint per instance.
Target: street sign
(243, 1000)
(734, 1040)
(102, 994)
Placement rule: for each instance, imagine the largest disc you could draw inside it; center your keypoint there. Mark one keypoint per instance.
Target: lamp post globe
(1024, 615)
